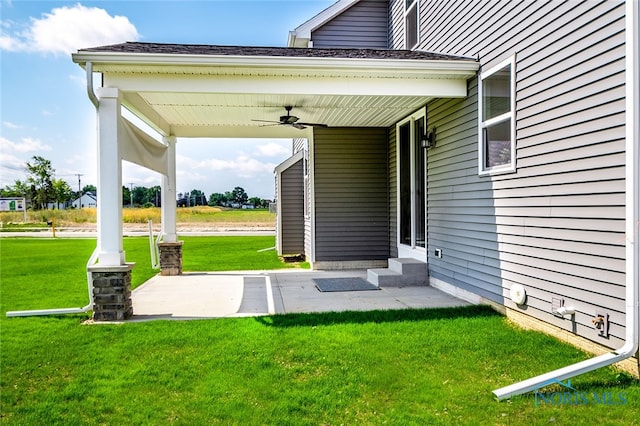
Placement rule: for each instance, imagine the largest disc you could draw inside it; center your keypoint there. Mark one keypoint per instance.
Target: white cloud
(273, 149)
(10, 125)
(11, 162)
(242, 166)
(25, 145)
(67, 29)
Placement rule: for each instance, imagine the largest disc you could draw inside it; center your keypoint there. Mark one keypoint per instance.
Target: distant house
(491, 140)
(88, 199)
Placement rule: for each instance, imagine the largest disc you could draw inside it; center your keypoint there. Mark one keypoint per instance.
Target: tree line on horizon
(42, 190)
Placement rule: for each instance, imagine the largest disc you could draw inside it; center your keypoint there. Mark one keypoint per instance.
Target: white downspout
(92, 95)
(94, 255)
(632, 253)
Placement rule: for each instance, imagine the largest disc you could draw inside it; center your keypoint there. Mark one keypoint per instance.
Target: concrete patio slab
(255, 293)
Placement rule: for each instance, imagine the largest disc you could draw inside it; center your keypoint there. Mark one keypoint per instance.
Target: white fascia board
(301, 36)
(289, 162)
(217, 131)
(321, 86)
(104, 61)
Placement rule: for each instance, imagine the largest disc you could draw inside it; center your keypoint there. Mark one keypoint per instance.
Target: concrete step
(384, 277)
(407, 266)
(401, 272)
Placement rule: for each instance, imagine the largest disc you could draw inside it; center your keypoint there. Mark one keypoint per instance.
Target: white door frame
(411, 250)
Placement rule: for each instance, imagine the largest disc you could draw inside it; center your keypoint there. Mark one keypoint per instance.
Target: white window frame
(510, 115)
(407, 10)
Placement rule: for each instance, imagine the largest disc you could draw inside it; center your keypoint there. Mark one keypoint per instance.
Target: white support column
(109, 195)
(169, 193)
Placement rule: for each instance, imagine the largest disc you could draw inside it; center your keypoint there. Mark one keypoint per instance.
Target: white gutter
(632, 253)
(459, 67)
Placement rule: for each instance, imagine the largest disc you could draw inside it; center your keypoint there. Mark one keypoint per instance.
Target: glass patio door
(412, 184)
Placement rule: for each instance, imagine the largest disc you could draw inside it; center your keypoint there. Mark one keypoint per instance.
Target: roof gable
(301, 36)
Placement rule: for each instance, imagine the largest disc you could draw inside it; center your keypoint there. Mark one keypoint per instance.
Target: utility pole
(79, 191)
(131, 194)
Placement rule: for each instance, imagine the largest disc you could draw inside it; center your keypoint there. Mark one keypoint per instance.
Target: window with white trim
(411, 24)
(496, 97)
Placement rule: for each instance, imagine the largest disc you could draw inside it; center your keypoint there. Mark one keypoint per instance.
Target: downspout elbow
(92, 95)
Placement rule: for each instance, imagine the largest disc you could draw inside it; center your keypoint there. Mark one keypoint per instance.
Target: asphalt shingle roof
(203, 49)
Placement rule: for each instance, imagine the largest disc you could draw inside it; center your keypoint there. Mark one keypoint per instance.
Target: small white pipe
(632, 296)
(61, 311)
(153, 246)
(565, 310)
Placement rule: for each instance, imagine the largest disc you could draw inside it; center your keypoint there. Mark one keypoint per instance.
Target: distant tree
(238, 195)
(154, 195)
(255, 202)
(89, 188)
(62, 192)
(217, 199)
(139, 195)
(197, 198)
(39, 176)
(18, 189)
(126, 196)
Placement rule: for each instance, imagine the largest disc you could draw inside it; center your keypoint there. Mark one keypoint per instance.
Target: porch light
(428, 140)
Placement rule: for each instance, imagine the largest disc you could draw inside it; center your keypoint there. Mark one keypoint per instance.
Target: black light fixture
(428, 140)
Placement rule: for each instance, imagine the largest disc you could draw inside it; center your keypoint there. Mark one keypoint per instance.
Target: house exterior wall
(291, 210)
(364, 25)
(350, 184)
(555, 225)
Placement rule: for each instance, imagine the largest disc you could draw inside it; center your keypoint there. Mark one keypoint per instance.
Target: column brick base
(112, 292)
(170, 258)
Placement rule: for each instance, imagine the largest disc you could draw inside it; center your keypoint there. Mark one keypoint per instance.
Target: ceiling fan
(290, 120)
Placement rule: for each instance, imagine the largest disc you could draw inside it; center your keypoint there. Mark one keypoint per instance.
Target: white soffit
(219, 96)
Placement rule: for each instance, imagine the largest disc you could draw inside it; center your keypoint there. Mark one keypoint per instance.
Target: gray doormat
(343, 284)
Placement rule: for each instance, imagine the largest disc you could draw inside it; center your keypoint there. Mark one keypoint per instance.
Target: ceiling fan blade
(267, 121)
(313, 124)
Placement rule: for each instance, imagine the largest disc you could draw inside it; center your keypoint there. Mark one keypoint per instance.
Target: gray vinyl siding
(351, 194)
(556, 225)
(363, 25)
(298, 145)
(291, 214)
(396, 24)
(393, 194)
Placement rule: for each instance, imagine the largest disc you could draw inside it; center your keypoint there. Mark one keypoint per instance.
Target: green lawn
(402, 368)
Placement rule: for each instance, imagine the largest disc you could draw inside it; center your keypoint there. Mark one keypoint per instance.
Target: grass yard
(414, 367)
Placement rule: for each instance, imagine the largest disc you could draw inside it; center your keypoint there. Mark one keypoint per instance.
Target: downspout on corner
(90, 92)
(632, 224)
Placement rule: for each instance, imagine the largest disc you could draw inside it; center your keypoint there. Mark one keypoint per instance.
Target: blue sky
(44, 109)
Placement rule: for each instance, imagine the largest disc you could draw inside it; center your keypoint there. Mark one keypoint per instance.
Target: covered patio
(197, 91)
(201, 295)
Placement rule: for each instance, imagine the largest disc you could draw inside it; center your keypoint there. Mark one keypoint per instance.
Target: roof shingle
(215, 50)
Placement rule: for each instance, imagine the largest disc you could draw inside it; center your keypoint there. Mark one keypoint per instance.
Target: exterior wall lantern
(428, 140)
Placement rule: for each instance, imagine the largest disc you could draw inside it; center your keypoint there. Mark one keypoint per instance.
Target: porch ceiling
(218, 93)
